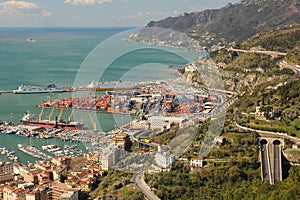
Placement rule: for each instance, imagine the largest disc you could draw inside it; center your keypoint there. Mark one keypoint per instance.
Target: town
(156, 107)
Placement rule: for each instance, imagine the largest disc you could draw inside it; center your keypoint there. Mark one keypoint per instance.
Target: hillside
(234, 22)
(248, 70)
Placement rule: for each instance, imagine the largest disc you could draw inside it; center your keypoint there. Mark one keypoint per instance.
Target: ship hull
(51, 124)
(38, 92)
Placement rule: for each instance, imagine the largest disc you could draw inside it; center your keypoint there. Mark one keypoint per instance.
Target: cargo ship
(29, 119)
(35, 90)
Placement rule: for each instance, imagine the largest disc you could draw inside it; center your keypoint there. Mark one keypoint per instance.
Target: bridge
(270, 157)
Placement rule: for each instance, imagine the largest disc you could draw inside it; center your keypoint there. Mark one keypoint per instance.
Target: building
(159, 122)
(122, 140)
(110, 156)
(10, 193)
(62, 192)
(6, 168)
(6, 178)
(70, 195)
(44, 177)
(32, 176)
(62, 160)
(196, 162)
(219, 139)
(91, 156)
(6, 172)
(59, 171)
(39, 193)
(42, 165)
(164, 158)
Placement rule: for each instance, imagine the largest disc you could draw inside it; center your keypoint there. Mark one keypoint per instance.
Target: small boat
(30, 40)
(35, 90)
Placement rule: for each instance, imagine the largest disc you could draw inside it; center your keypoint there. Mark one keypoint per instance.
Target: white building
(196, 162)
(110, 156)
(164, 158)
(161, 121)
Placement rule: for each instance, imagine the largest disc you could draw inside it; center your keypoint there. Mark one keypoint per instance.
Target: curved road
(143, 187)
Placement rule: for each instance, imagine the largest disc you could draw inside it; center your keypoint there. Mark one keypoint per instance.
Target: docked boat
(29, 119)
(31, 150)
(35, 90)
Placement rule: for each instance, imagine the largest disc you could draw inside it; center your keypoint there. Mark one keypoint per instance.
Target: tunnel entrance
(263, 141)
(277, 142)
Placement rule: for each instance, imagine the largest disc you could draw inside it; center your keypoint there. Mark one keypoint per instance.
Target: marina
(15, 147)
(31, 150)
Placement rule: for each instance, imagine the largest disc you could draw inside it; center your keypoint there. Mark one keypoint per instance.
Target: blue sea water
(56, 55)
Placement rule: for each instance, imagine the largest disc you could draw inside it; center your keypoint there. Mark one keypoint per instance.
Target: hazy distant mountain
(234, 22)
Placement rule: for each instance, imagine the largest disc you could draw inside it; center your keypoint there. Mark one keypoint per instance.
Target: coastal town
(135, 100)
(64, 172)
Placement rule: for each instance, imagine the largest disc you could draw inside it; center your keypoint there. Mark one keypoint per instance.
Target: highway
(265, 162)
(143, 187)
(259, 51)
(277, 163)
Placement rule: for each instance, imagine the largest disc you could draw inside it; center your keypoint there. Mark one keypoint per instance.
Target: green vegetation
(295, 152)
(233, 181)
(285, 98)
(117, 185)
(166, 136)
(232, 168)
(282, 40)
(245, 71)
(232, 172)
(294, 55)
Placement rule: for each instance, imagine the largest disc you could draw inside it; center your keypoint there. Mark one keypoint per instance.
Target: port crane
(51, 113)
(60, 114)
(93, 122)
(70, 116)
(41, 114)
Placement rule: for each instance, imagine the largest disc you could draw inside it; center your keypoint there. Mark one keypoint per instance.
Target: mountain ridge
(233, 22)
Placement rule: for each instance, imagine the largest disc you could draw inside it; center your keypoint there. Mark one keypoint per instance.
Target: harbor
(29, 148)
(151, 105)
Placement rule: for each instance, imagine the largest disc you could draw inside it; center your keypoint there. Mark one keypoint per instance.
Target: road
(277, 167)
(143, 187)
(259, 51)
(268, 133)
(265, 162)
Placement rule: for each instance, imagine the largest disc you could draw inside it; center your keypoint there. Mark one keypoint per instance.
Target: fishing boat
(23, 89)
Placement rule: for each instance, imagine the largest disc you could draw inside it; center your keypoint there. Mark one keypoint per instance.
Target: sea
(67, 57)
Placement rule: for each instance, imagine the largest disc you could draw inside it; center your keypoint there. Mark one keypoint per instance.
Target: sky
(96, 13)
